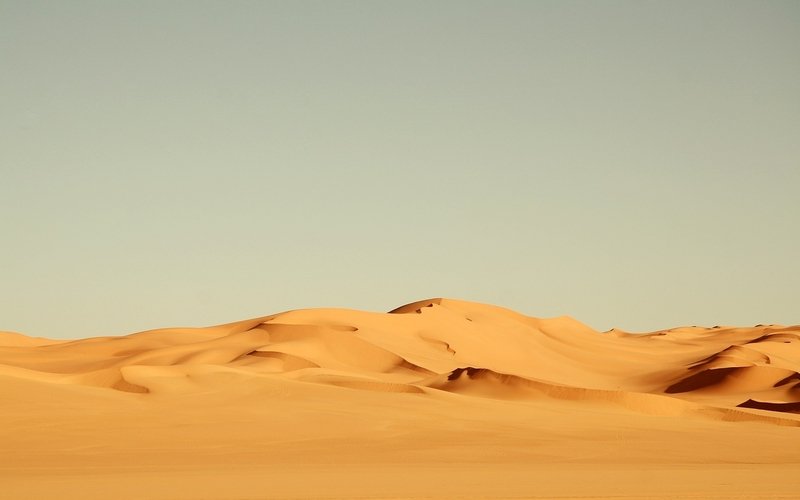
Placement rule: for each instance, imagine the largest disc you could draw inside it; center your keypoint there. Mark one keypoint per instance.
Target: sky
(188, 163)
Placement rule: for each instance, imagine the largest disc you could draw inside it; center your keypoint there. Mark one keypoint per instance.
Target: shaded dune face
(733, 379)
(441, 348)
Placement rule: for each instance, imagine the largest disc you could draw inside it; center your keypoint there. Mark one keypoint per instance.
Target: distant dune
(439, 399)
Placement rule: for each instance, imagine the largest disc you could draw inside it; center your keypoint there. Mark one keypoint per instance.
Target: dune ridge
(505, 354)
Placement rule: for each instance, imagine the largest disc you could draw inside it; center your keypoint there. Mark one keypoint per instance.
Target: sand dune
(433, 382)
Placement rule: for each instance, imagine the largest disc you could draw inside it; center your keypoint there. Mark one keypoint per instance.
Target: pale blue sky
(631, 164)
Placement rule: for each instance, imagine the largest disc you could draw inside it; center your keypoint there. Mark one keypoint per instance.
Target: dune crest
(413, 346)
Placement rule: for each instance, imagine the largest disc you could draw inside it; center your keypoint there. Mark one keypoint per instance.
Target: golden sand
(437, 399)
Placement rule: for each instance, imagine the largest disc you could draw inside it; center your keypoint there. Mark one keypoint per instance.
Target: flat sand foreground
(437, 399)
(456, 481)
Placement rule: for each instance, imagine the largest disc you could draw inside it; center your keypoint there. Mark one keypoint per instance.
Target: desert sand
(436, 399)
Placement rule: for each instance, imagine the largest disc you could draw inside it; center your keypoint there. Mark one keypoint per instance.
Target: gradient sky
(631, 164)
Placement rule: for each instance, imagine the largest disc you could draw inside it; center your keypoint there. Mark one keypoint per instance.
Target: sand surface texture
(437, 399)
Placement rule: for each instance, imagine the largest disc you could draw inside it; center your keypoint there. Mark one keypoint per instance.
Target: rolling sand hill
(436, 399)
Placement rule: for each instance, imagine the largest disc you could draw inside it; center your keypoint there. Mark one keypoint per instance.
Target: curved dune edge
(487, 383)
(441, 346)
